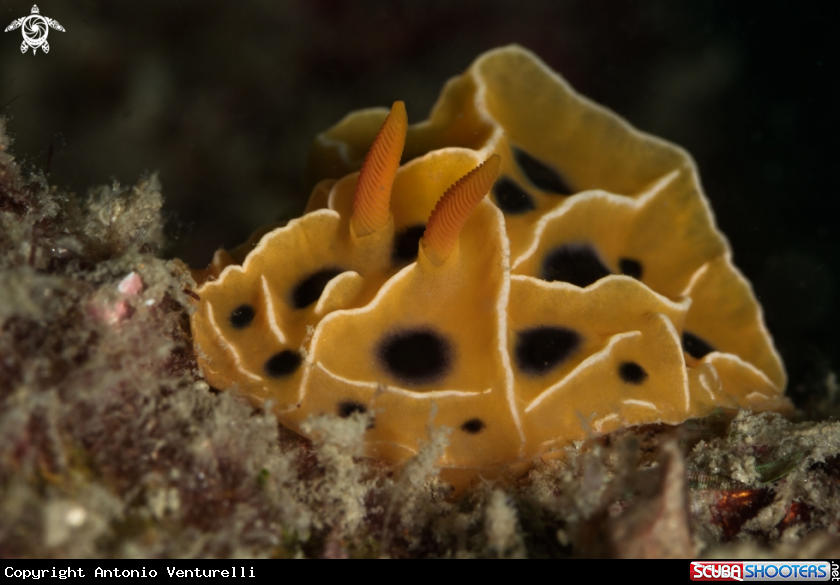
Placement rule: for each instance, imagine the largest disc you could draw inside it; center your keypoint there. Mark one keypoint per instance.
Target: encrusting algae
(589, 292)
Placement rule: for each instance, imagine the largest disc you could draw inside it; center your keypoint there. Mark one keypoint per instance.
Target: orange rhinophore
(454, 208)
(373, 191)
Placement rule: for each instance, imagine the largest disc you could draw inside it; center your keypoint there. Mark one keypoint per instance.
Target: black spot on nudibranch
(542, 175)
(695, 346)
(406, 244)
(282, 364)
(309, 290)
(630, 267)
(473, 426)
(541, 349)
(242, 316)
(348, 407)
(415, 356)
(577, 264)
(632, 373)
(511, 197)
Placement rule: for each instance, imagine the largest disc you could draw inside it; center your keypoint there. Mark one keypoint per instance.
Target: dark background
(222, 99)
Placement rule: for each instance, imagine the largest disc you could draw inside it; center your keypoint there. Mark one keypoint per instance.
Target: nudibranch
(523, 268)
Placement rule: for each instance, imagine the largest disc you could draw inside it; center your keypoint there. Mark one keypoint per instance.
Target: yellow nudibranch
(591, 291)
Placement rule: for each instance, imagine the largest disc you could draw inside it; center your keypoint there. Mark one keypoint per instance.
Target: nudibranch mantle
(590, 291)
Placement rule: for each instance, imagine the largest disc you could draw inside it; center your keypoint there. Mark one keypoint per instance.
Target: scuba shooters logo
(717, 571)
(35, 29)
(761, 571)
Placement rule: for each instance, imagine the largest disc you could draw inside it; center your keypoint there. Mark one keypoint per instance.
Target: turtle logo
(35, 29)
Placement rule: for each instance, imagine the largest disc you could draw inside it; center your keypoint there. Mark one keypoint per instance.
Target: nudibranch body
(590, 291)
